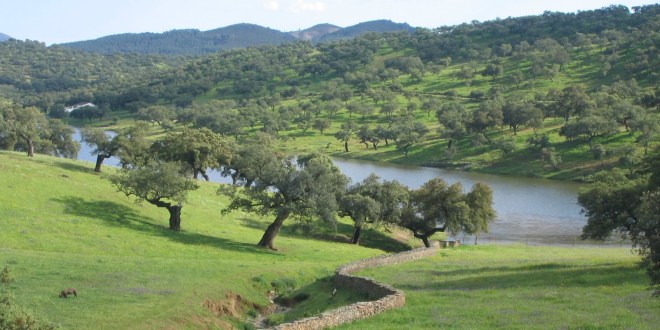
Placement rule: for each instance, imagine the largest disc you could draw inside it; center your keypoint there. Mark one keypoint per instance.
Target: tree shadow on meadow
(116, 215)
(371, 238)
(75, 167)
(539, 276)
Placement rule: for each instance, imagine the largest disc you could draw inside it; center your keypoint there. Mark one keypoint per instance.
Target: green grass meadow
(519, 287)
(65, 226)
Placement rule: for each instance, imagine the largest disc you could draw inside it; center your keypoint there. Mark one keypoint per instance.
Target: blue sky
(58, 21)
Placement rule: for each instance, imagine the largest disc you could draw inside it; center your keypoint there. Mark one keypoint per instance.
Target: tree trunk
(346, 145)
(99, 162)
(487, 138)
(204, 175)
(30, 151)
(357, 231)
(425, 239)
(175, 216)
(273, 229)
(175, 212)
(425, 235)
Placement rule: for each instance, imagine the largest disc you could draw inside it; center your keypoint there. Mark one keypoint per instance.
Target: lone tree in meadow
(158, 183)
(438, 207)
(306, 188)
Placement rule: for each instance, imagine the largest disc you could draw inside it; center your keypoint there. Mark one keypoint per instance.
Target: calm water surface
(532, 211)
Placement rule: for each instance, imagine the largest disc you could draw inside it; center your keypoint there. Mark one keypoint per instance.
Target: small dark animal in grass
(67, 292)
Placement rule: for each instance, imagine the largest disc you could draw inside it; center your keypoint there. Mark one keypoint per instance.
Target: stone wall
(386, 297)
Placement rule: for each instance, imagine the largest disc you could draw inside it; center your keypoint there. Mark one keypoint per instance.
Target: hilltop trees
(452, 116)
(407, 133)
(346, 133)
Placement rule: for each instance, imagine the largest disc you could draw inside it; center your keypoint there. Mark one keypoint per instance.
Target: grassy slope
(63, 226)
(519, 287)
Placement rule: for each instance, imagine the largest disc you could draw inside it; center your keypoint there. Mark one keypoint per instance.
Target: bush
(14, 317)
(275, 319)
(6, 276)
(283, 285)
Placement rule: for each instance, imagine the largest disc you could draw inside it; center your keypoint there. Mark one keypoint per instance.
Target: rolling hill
(378, 26)
(315, 32)
(185, 42)
(196, 42)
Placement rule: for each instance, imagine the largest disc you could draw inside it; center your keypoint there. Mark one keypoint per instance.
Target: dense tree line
(307, 188)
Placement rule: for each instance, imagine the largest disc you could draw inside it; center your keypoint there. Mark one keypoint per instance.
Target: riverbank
(576, 159)
(531, 211)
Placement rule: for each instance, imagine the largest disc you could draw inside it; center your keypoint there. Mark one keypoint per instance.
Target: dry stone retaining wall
(387, 297)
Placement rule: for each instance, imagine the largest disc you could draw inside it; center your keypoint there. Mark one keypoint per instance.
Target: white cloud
(272, 5)
(302, 6)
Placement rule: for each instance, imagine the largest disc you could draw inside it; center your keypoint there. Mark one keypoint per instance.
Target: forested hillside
(555, 95)
(4, 37)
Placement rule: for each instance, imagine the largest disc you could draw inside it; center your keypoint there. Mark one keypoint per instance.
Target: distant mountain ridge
(4, 37)
(315, 32)
(196, 42)
(185, 42)
(366, 27)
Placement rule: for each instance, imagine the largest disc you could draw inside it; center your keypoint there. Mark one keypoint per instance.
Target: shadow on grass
(117, 215)
(65, 165)
(75, 167)
(371, 238)
(539, 276)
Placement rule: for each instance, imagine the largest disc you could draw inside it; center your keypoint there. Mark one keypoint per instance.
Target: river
(529, 210)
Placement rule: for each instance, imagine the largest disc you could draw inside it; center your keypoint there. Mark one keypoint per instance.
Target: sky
(60, 21)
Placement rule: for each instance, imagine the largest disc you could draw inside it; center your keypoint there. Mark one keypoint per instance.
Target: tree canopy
(439, 207)
(158, 183)
(306, 188)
